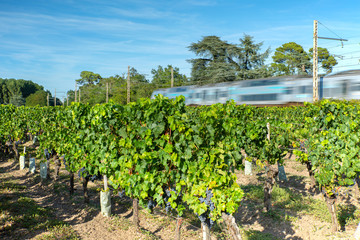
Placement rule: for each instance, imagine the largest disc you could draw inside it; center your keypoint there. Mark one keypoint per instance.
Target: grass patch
(257, 235)
(61, 232)
(59, 187)
(23, 212)
(287, 199)
(121, 222)
(11, 186)
(348, 215)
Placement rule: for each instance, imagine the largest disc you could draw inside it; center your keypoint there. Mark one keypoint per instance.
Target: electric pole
(315, 64)
(315, 60)
(55, 98)
(47, 98)
(172, 77)
(107, 92)
(128, 85)
(75, 91)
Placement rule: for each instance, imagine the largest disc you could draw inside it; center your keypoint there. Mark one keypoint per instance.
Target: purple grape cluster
(205, 217)
(122, 193)
(47, 154)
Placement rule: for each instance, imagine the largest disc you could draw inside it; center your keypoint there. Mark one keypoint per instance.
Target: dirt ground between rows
(88, 222)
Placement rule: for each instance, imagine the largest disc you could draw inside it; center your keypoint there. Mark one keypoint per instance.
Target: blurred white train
(269, 91)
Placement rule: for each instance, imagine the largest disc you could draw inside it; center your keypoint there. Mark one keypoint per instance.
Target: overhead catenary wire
(341, 39)
(344, 66)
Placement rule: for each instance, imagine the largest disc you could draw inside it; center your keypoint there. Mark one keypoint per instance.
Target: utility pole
(128, 85)
(67, 99)
(315, 64)
(47, 98)
(55, 98)
(75, 91)
(172, 77)
(315, 60)
(107, 92)
(79, 95)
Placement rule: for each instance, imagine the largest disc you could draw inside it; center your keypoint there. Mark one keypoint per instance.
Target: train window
(224, 94)
(198, 95)
(327, 92)
(204, 95)
(178, 89)
(209, 97)
(356, 87)
(181, 90)
(344, 88)
(305, 89)
(216, 93)
(261, 83)
(289, 90)
(259, 97)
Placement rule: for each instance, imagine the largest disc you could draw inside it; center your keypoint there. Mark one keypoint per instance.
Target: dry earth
(88, 222)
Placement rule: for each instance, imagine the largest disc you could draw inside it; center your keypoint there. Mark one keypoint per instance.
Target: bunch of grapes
(96, 177)
(64, 161)
(168, 207)
(167, 195)
(47, 154)
(205, 217)
(151, 204)
(122, 193)
(83, 173)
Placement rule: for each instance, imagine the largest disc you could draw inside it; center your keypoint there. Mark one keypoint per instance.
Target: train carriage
(268, 91)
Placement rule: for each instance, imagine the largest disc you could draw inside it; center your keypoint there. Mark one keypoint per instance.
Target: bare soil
(88, 222)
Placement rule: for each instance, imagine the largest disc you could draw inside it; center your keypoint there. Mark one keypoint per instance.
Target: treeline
(220, 61)
(216, 61)
(94, 89)
(21, 92)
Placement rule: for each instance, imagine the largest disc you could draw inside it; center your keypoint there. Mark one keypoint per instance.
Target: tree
(214, 60)
(17, 100)
(89, 78)
(162, 77)
(327, 61)
(140, 86)
(291, 59)
(93, 91)
(16, 87)
(250, 60)
(221, 61)
(37, 98)
(137, 77)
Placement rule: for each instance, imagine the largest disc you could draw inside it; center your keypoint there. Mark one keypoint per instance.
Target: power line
(331, 30)
(350, 58)
(347, 66)
(340, 45)
(350, 52)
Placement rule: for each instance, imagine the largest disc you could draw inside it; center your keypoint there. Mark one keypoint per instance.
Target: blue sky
(51, 41)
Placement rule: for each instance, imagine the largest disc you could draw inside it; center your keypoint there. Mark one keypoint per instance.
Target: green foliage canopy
(220, 61)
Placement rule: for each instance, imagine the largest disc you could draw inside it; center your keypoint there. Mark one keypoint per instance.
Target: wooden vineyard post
(179, 222)
(271, 174)
(86, 192)
(206, 231)
(57, 163)
(331, 204)
(71, 183)
(232, 228)
(136, 213)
